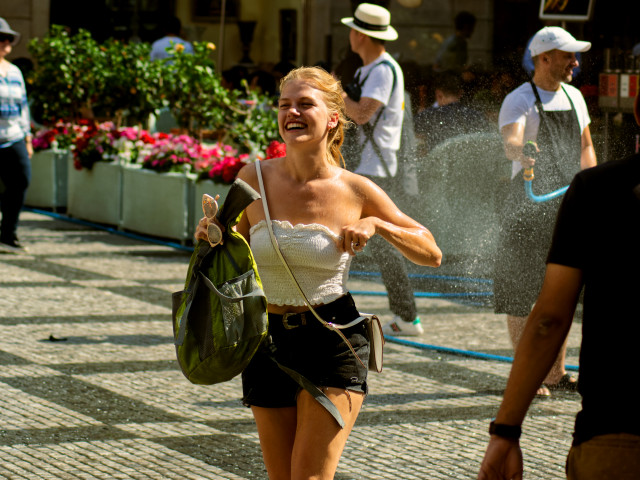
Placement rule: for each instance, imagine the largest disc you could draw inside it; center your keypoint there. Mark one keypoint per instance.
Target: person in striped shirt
(15, 141)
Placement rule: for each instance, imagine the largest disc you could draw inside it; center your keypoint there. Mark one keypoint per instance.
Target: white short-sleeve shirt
(519, 106)
(378, 85)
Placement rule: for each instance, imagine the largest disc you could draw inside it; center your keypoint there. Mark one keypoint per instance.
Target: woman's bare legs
(305, 442)
(277, 432)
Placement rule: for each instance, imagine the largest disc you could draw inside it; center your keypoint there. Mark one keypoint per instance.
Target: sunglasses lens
(6, 38)
(214, 234)
(209, 206)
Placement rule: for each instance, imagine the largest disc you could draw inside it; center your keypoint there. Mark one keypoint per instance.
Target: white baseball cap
(372, 20)
(556, 38)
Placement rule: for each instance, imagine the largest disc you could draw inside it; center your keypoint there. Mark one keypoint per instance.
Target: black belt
(306, 318)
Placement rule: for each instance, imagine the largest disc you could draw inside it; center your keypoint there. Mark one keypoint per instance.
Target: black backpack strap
(393, 70)
(368, 129)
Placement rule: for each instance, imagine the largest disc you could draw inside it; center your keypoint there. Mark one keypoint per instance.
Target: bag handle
(274, 241)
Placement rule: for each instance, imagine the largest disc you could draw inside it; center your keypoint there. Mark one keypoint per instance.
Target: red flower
(230, 168)
(276, 149)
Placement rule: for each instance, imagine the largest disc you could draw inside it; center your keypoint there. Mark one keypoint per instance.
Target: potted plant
(49, 164)
(158, 197)
(95, 175)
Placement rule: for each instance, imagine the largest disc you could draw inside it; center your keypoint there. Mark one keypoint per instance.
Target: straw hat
(372, 20)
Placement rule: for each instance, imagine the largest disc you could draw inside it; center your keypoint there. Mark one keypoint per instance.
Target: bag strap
(368, 129)
(305, 383)
(309, 386)
(393, 70)
(274, 241)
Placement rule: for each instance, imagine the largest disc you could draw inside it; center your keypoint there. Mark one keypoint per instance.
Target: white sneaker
(397, 327)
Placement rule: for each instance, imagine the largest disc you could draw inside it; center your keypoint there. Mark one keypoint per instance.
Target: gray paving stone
(90, 389)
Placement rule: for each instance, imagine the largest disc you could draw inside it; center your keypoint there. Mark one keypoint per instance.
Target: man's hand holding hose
(529, 152)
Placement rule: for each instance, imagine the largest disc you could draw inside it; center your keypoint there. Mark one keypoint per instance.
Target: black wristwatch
(512, 432)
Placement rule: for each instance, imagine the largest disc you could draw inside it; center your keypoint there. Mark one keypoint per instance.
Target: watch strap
(511, 432)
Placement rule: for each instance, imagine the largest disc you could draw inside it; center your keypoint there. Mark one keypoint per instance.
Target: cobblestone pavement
(89, 387)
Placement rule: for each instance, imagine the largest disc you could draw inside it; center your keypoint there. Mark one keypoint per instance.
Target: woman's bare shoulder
(360, 185)
(248, 173)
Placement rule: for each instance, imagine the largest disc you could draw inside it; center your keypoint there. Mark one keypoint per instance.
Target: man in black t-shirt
(596, 244)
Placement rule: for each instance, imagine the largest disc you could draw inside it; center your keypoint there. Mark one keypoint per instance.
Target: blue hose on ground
(383, 293)
(428, 276)
(456, 351)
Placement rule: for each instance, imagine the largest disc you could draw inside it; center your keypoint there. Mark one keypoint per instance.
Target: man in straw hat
(553, 115)
(375, 102)
(601, 209)
(15, 142)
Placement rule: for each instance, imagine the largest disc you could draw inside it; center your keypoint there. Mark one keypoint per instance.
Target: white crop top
(319, 266)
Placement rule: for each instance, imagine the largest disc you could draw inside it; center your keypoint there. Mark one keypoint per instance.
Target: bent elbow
(432, 259)
(437, 259)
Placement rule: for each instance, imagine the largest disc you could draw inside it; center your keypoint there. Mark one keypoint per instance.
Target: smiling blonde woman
(322, 216)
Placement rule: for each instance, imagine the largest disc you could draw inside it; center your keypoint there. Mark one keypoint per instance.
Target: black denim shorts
(303, 344)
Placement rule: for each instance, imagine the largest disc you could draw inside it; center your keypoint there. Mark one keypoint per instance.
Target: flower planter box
(48, 187)
(158, 204)
(213, 189)
(96, 194)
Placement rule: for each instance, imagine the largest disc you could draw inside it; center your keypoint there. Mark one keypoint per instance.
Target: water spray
(530, 150)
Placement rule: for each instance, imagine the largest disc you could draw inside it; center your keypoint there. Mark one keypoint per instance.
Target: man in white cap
(553, 116)
(375, 102)
(601, 208)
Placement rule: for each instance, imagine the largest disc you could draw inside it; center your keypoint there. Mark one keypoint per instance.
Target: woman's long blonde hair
(331, 89)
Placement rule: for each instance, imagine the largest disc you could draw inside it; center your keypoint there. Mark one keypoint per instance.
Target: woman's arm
(382, 217)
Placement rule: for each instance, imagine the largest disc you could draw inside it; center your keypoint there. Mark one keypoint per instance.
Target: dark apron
(560, 142)
(526, 226)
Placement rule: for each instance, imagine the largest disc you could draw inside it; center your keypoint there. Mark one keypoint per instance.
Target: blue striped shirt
(14, 109)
